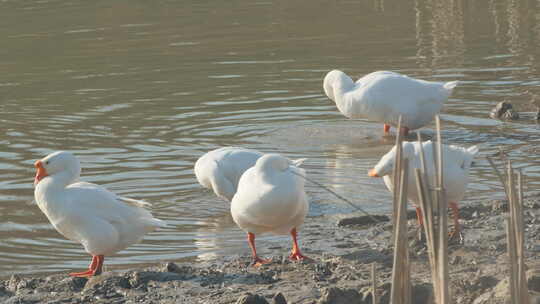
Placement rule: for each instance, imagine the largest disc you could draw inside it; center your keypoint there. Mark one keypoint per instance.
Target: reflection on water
(139, 90)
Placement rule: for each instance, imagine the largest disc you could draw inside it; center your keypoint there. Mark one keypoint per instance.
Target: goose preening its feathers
(221, 169)
(383, 96)
(271, 198)
(101, 221)
(457, 163)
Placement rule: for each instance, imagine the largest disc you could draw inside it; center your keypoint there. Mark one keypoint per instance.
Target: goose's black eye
(47, 162)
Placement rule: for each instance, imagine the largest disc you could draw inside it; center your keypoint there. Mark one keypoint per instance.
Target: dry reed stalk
(373, 284)
(515, 231)
(443, 221)
(396, 176)
(432, 200)
(521, 245)
(401, 288)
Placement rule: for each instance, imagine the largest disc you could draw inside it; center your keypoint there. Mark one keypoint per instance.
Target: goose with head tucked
(384, 96)
(457, 163)
(221, 169)
(271, 198)
(101, 221)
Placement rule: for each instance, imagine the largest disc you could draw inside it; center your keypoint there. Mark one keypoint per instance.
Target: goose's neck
(340, 87)
(53, 185)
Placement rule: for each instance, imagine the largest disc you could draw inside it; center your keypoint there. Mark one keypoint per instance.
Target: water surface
(139, 90)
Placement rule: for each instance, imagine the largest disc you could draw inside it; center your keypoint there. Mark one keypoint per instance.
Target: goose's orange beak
(41, 172)
(372, 173)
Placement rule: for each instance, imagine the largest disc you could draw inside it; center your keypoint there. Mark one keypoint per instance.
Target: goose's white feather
(457, 163)
(270, 197)
(221, 169)
(101, 221)
(383, 96)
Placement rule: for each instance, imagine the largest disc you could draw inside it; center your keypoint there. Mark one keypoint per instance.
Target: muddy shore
(342, 249)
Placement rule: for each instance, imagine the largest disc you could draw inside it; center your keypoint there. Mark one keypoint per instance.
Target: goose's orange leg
(419, 217)
(95, 268)
(455, 215)
(386, 129)
(296, 254)
(257, 261)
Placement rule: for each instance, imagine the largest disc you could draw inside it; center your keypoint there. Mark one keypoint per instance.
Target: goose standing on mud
(101, 221)
(383, 96)
(457, 163)
(221, 169)
(271, 198)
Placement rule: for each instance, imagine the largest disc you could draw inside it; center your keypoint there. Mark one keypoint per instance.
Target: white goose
(457, 163)
(87, 213)
(271, 198)
(383, 96)
(221, 169)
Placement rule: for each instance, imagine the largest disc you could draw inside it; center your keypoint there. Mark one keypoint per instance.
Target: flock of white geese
(265, 191)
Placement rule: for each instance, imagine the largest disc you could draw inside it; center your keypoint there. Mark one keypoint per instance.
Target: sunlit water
(139, 90)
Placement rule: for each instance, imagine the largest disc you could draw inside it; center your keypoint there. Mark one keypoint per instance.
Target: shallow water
(139, 90)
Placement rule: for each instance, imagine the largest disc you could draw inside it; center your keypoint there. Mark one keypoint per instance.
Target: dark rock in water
(362, 220)
(251, 299)
(335, 295)
(279, 298)
(504, 110)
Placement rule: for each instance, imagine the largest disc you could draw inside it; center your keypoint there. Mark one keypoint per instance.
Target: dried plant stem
(373, 284)
(401, 282)
(515, 232)
(396, 176)
(433, 207)
(443, 221)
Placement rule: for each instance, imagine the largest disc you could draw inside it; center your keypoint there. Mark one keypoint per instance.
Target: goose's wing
(94, 200)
